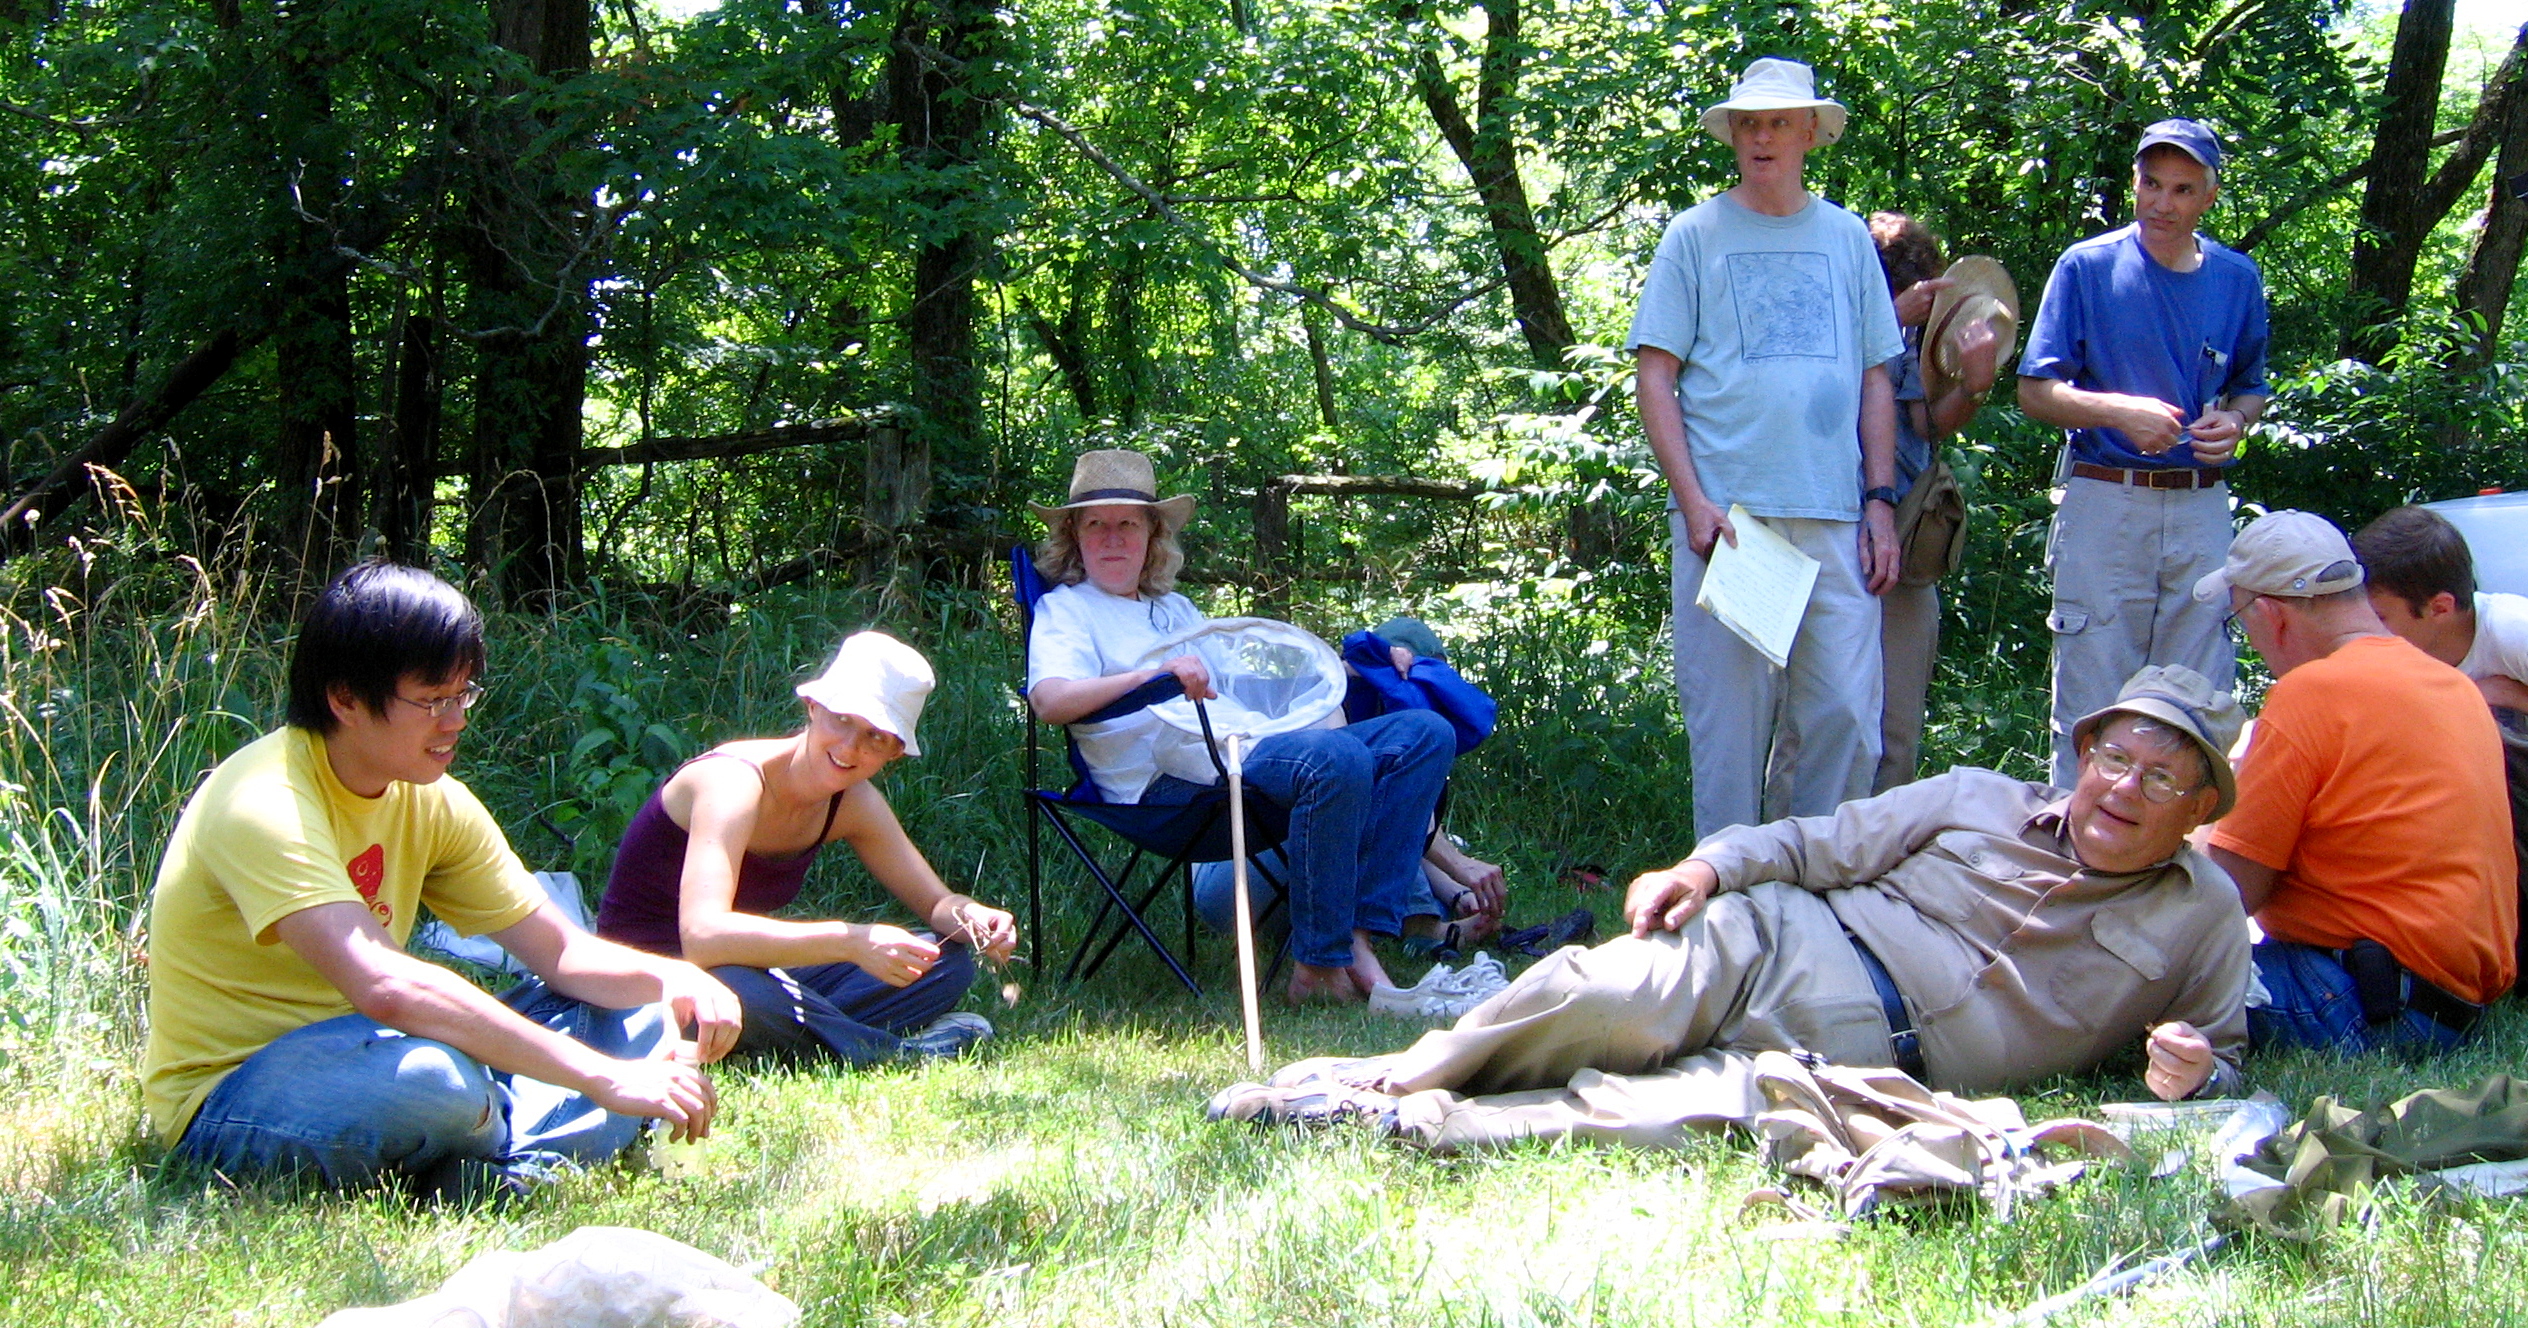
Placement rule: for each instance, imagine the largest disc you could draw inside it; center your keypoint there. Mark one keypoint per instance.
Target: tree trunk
(409, 462)
(941, 133)
(2394, 219)
(1323, 366)
(316, 453)
(529, 309)
(2484, 287)
(1488, 149)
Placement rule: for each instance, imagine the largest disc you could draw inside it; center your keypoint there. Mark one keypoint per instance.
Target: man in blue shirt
(2150, 352)
(1761, 349)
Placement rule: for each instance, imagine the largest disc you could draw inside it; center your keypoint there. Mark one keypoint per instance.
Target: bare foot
(1334, 986)
(1365, 970)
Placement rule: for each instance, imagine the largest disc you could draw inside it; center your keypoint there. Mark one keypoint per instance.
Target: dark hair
(374, 626)
(1906, 248)
(2414, 553)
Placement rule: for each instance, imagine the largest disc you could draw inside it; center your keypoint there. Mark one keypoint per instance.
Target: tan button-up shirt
(2015, 961)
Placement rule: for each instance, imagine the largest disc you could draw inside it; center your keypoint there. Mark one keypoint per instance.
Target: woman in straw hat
(728, 839)
(1360, 798)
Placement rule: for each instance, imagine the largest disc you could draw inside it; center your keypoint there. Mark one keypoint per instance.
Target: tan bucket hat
(1119, 475)
(1979, 288)
(2184, 700)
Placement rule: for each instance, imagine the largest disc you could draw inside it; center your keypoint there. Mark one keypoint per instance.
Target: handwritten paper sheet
(1758, 588)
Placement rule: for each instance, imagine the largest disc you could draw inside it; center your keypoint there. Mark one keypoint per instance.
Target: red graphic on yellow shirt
(368, 872)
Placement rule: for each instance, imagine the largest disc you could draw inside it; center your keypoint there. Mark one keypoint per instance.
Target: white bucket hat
(1777, 85)
(878, 678)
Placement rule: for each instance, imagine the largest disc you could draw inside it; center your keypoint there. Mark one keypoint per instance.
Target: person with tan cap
(1960, 321)
(2372, 834)
(1360, 797)
(1761, 347)
(726, 842)
(1974, 930)
(2149, 351)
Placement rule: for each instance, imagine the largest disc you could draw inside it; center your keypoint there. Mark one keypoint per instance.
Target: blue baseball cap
(2187, 136)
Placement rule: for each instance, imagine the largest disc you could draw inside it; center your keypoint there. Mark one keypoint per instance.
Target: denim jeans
(1360, 801)
(839, 1010)
(1216, 892)
(2314, 1005)
(349, 1100)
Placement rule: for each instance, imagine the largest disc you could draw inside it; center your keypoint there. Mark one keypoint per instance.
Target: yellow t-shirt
(272, 831)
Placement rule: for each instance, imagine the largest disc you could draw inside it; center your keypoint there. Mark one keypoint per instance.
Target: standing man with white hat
(1761, 348)
(2150, 352)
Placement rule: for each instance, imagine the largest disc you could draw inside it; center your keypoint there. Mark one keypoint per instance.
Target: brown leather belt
(2184, 478)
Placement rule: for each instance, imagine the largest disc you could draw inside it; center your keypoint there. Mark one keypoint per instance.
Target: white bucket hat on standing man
(878, 678)
(1777, 85)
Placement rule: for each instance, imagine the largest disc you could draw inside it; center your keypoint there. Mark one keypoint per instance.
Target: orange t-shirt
(2374, 784)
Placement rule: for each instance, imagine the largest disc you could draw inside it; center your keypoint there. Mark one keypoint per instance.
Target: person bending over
(728, 840)
(1975, 930)
(290, 1031)
(2372, 835)
(1360, 797)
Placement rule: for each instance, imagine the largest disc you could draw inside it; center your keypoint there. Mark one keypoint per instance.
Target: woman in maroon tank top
(728, 839)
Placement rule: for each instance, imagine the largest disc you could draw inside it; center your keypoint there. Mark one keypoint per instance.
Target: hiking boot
(951, 1034)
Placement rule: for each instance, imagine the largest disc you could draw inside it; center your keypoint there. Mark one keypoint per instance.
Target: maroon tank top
(640, 905)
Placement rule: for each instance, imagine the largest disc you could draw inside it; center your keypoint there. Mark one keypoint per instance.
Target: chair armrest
(1165, 687)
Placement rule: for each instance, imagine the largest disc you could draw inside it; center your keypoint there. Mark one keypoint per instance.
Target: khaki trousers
(1823, 710)
(1638, 1041)
(2125, 561)
(1909, 641)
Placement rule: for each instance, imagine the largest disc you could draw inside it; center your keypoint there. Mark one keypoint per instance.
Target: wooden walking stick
(1246, 921)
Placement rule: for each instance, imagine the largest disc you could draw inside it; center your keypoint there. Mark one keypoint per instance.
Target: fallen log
(745, 442)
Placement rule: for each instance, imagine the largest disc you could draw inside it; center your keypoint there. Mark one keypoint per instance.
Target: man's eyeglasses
(440, 706)
(2157, 784)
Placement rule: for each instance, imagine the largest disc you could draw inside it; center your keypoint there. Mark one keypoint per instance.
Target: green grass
(1064, 1176)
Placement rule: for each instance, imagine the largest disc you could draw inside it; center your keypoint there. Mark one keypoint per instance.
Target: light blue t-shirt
(2114, 320)
(1775, 318)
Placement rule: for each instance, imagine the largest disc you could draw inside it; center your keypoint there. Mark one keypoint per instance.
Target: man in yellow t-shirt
(289, 1031)
(2371, 839)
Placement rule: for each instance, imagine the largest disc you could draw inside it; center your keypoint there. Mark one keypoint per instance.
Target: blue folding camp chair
(1176, 835)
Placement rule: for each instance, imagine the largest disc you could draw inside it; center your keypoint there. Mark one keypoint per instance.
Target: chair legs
(1117, 899)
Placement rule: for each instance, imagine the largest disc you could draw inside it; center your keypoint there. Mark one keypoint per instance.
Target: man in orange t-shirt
(2372, 834)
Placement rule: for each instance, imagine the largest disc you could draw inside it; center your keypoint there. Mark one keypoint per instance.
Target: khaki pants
(1909, 640)
(2125, 561)
(1629, 1042)
(1823, 709)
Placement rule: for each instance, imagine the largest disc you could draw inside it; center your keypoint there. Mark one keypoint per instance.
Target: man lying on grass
(289, 1032)
(1974, 930)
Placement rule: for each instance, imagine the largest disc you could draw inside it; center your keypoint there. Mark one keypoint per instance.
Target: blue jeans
(2314, 1005)
(349, 1100)
(839, 1010)
(1360, 801)
(1216, 892)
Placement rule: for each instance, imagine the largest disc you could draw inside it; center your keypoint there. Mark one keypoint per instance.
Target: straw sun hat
(1979, 288)
(1118, 475)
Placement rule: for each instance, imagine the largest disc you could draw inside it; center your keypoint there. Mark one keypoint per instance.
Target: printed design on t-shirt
(1786, 305)
(368, 873)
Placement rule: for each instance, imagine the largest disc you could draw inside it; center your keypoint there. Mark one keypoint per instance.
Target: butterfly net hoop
(1271, 677)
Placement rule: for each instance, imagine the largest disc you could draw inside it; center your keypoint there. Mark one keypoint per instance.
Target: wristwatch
(1882, 494)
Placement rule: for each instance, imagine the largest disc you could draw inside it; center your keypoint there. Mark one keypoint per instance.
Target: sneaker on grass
(1443, 995)
(951, 1034)
(1318, 1103)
